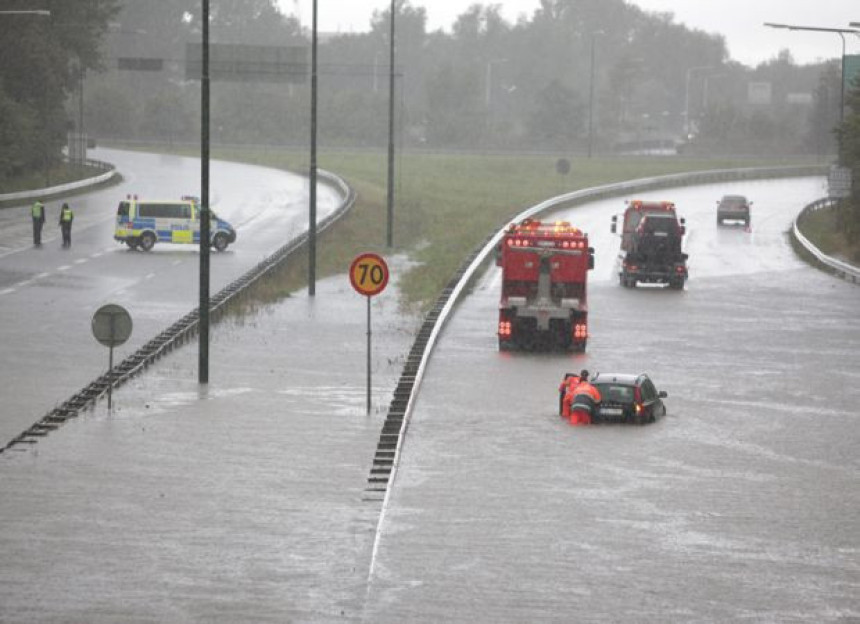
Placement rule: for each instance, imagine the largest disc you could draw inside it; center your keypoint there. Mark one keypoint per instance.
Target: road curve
(48, 295)
(739, 504)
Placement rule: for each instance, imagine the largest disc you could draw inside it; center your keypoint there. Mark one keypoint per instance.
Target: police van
(142, 223)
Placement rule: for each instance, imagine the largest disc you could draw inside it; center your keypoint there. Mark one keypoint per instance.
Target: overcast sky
(739, 21)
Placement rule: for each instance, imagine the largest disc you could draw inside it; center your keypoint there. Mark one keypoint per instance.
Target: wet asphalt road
(48, 295)
(244, 502)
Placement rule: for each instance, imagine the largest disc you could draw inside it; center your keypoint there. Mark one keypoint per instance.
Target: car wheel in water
(147, 241)
(220, 242)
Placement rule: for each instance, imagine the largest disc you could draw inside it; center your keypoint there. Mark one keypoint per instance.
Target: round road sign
(368, 274)
(111, 325)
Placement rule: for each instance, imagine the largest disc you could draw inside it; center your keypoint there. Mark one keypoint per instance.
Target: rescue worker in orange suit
(66, 218)
(570, 381)
(585, 402)
(38, 212)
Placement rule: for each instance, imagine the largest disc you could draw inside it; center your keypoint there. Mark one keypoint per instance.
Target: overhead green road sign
(248, 63)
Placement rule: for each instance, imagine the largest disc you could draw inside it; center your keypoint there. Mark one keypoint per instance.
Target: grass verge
(824, 229)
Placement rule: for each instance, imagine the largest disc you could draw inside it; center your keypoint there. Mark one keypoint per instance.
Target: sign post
(111, 327)
(368, 274)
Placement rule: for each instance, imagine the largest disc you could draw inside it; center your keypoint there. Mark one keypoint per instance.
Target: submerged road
(243, 501)
(48, 295)
(740, 504)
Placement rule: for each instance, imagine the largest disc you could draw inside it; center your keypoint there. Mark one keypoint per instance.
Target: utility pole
(389, 239)
(203, 323)
(312, 208)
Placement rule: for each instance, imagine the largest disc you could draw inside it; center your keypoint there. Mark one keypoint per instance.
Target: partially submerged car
(733, 208)
(628, 397)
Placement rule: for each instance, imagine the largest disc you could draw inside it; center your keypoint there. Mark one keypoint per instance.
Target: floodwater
(244, 502)
(741, 504)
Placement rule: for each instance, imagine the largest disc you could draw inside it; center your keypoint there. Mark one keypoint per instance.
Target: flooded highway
(244, 502)
(48, 294)
(740, 504)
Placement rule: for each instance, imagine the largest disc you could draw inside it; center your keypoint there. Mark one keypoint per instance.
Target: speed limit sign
(369, 274)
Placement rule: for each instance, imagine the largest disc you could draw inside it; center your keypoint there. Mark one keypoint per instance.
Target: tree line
(572, 76)
(45, 47)
(849, 157)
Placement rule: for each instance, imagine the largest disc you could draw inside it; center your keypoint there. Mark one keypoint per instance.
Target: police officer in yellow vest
(66, 218)
(38, 212)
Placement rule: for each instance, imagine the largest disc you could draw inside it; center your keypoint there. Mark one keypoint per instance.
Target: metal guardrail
(108, 170)
(178, 333)
(843, 269)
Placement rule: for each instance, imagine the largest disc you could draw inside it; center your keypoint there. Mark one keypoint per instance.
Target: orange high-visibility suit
(584, 402)
(570, 382)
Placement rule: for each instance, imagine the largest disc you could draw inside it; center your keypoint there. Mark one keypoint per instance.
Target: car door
(651, 399)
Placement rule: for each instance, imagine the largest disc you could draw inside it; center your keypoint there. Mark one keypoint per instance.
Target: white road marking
(39, 276)
(7, 291)
(81, 260)
(149, 276)
(65, 267)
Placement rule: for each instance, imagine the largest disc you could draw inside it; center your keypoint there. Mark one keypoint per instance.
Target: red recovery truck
(544, 305)
(651, 242)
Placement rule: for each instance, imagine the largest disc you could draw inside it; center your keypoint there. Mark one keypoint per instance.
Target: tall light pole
(690, 73)
(312, 203)
(839, 31)
(203, 307)
(591, 95)
(488, 86)
(389, 238)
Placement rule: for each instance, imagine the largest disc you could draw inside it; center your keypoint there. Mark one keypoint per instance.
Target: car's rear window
(615, 393)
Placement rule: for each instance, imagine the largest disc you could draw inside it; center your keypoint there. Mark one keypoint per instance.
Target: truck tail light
(580, 331)
(504, 328)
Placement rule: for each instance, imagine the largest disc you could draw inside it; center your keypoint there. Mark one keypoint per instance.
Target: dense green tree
(848, 134)
(45, 56)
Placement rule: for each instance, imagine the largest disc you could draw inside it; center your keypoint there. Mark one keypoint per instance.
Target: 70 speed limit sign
(368, 274)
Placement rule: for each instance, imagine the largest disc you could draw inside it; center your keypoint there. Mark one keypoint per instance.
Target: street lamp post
(591, 95)
(389, 230)
(690, 73)
(839, 31)
(488, 86)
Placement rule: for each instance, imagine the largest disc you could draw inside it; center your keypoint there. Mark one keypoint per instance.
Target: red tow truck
(651, 244)
(544, 303)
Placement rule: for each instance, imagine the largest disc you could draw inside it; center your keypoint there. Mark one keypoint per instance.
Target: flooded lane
(739, 504)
